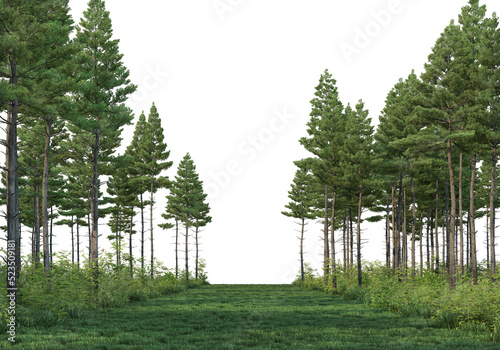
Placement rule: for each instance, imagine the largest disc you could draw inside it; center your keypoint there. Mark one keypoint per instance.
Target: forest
(427, 172)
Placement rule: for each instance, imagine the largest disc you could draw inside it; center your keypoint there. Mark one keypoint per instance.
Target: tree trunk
(492, 211)
(405, 236)
(77, 242)
(12, 194)
(325, 241)
(72, 241)
(94, 247)
(332, 240)
(395, 246)
(451, 235)
(142, 233)
(302, 249)
(437, 224)
(413, 226)
(460, 210)
(421, 251)
(358, 238)
(387, 237)
(151, 229)
(45, 185)
(176, 248)
(37, 226)
(472, 222)
(187, 235)
(131, 259)
(196, 247)
(344, 241)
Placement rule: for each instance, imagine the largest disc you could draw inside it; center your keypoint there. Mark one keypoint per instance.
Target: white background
(220, 74)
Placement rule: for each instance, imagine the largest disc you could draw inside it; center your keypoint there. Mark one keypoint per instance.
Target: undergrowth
(68, 291)
(473, 307)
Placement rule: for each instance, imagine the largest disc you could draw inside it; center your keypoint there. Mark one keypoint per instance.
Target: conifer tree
(154, 155)
(326, 134)
(137, 172)
(304, 191)
(357, 163)
(104, 89)
(185, 198)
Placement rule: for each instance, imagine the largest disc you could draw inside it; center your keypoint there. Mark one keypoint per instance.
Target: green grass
(247, 317)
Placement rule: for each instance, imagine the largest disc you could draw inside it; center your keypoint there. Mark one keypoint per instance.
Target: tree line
(428, 170)
(63, 93)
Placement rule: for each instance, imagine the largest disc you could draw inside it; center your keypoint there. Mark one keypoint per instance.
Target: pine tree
(326, 132)
(154, 156)
(137, 172)
(104, 89)
(357, 162)
(185, 198)
(304, 191)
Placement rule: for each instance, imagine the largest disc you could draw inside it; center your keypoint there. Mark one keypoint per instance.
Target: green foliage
(427, 296)
(68, 291)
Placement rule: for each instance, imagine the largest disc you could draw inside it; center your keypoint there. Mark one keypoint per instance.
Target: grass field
(247, 317)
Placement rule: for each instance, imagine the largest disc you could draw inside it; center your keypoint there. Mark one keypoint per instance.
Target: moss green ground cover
(247, 317)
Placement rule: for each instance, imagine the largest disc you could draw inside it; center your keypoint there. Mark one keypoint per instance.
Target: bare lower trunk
(12, 195)
(460, 210)
(492, 214)
(437, 225)
(151, 230)
(176, 248)
(413, 226)
(187, 256)
(325, 241)
(472, 222)
(94, 248)
(45, 212)
(332, 241)
(358, 238)
(302, 249)
(451, 239)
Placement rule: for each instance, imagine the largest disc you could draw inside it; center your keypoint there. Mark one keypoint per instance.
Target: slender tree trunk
(492, 210)
(72, 241)
(351, 239)
(12, 192)
(387, 236)
(302, 227)
(413, 227)
(358, 238)
(405, 236)
(131, 259)
(77, 242)
(187, 235)
(151, 228)
(197, 255)
(332, 244)
(176, 248)
(451, 242)
(421, 251)
(142, 233)
(37, 226)
(344, 241)
(395, 245)
(51, 255)
(325, 241)
(437, 224)
(460, 210)
(117, 235)
(472, 221)
(45, 185)
(94, 258)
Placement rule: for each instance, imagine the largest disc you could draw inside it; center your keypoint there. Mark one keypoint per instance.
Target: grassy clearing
(247, 317)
